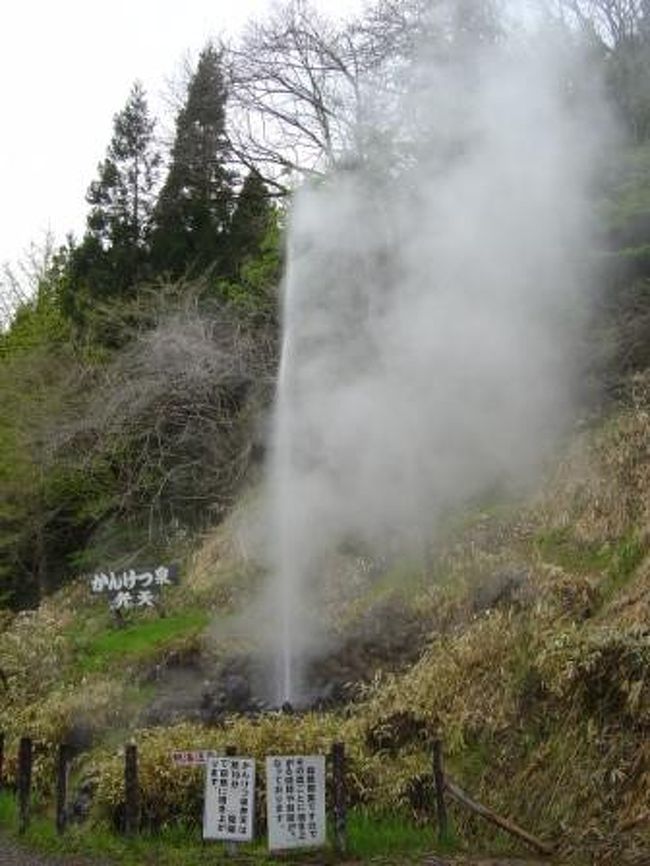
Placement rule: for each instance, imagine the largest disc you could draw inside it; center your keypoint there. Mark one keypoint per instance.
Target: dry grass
(536, 670)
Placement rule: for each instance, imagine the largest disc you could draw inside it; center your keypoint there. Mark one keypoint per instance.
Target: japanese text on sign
(295, 801)
(133, 589)
(194, 758)
(229, 799)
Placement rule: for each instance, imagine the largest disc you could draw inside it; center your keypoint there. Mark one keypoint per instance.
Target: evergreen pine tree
(112, 256)
(251, 220)
(193, 211)
(122, 197)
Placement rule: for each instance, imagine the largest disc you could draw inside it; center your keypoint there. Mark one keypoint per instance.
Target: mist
(435, 293)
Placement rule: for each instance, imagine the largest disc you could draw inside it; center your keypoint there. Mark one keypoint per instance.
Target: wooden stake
(504, 823)
(131, 790)
(340, 798)
(62, 767)
(24, 780)
(2, 759)
(439, 782)
(231, 847)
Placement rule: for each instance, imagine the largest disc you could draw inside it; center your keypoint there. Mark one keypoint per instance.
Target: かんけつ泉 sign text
(133, 588)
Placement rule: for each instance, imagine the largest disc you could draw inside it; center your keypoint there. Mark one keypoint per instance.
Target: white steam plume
(431, 311)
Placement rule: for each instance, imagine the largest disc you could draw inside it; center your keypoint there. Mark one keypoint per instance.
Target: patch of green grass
(472, 762)
(369, 836)
(175, 845)
(404, 578)
(626, 557)
(560, 547)
(137, 641)
(615, 561)
(8, 809)
(372, 835)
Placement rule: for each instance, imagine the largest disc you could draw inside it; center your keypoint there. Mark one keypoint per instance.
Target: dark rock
(82, 800)
(505, 587)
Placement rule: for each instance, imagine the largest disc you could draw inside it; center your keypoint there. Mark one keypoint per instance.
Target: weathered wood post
(131, 790)
(231, 847)
(62, 768)
(24, 781)
(439, 783)
(340, 798)
(2, 760)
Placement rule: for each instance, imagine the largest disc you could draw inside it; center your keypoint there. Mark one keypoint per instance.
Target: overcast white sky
(66, 68)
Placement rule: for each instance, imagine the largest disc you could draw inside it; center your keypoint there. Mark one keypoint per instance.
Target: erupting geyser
(434, 291)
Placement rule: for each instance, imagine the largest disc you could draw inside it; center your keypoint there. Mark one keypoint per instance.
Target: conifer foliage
(113, 254)
(194, 208)
(250, 222)
(122, 197)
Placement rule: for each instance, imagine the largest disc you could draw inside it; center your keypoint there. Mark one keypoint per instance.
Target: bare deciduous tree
(615, 22)
(295, 93)
(620, 30)
(307, 93)
(19, 283)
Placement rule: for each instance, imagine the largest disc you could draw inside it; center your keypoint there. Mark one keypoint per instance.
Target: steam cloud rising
(431, 313)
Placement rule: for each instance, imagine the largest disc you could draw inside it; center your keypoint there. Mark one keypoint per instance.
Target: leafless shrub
(19, 282)
(176, 414)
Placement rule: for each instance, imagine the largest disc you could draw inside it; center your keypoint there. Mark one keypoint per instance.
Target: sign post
(295, 801)
(229, 799)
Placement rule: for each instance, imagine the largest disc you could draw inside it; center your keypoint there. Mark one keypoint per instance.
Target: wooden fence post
(24, 782)
(439, 783)
(340, 797)
(62, 767)
(231, 847)
(131, 790)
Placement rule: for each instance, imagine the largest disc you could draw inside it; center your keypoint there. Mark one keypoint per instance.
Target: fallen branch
(505, 824)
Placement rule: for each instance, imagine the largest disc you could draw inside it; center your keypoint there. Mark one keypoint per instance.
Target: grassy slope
(537, 671)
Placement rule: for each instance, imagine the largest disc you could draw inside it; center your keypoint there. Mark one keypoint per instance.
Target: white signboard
(194, 758)
(229, 799)
(295, 801)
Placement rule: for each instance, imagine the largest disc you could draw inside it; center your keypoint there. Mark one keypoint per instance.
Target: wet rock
(203, 692)
(505, 587)
(82, 800)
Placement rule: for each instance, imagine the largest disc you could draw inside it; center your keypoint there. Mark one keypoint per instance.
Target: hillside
(363, 349)
(522, 641)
